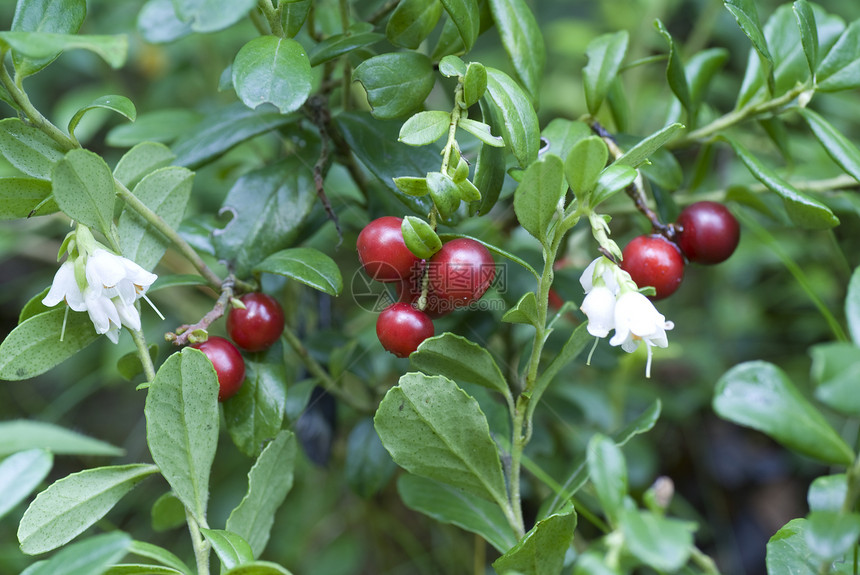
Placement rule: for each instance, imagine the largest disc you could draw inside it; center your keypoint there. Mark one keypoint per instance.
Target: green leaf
(432, 428)
(84, 189)
(412, 21)
(269, 481)
(420, 238)
(231, 549)
(412, 186)
(481, 131)
(255, 414)
(43, 46)
(837, 146)
(676, 76)
(21, 434)
(787, 552)
(258, 568)
(700, 70)
(294, 15)
(20, 475)
(268, 205)
(523, 41)
(28, 149)
(91, 556)
(474, 83)
(166, 192)
(536, 199)
(340, 44)
(852, 306)
(519, 123)
(451, 66)
(830, 534)
(450, 505)
(62, 17)
(212, 15)
(396, 83)
(459, 359)
(835, 368)
(176, 280)
(19, 198)
(223, 129)
(562, 135)
(424, 128)
(466, 17)
(271, 70)
(803, 210)
(660, 542)
(368, 466)
(608, 473)
(142, 569)
(605, 54)
(34, 346)
(182, 426)
(139, 161)
(543, 548)
(158, 23)
(639, 154)
(827, 492)
(840, 68)
(612, 180)
(744, 11)
(306, 265)
(158, 126)
(759, 395)
(72, 504)
(808, 32)
(489, 174)
(167, 513)
(129, 365)
(34, 306)
(583, 165)
(525, 311)
(119, 104)
(445, 193)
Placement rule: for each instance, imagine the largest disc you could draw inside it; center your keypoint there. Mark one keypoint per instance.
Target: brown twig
(185, 334)
(320, 116)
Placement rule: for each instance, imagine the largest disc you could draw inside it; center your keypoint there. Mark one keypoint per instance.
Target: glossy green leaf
(432, 428)
(519, 123)
(231, 549)
(34, 306)
(269, 481)
(852, 306)
(90, 556)
(255, 414)
(223, 129)
(474, 83)
(661, 542)
(830, 534)
(160, 554)
(412, 186)
(787, 552)
(34, 346)
(294, 15)
(523, 41)
(459, 359)
(450, 505)
(639, 154)
(396, 83)
(28, 149)
(536, 199)
(583, 165)
(445, 193)
(490, 172)
(481, 131)
(212, 15)
(835, 368)
(158, 126)
(466, 17)
(451, 66)
(158, 23)
(44, 46)
(84, 189)
(166, 192)
(803, 210)
(258, 568)
(139, 161)
(368, 466)
(306, 265)
(746, 15)
(592, 563)
(340, 44)
(562, 135)
(53, 16)
(119, 104)
(612, 180)
(420, 238)
(20, 435)
(676, 75)
(543, 548)
(167, 513)
(270, 70)
(840, 68)
(701, 69)
(20, 475)
(837, 146)
(72, 504)
(19, 198)
(182, 421)
(525, 311)
(412, 21)
(605, 54)
(827, 492)
(808, 31)
(608, 472)
(424, 128)
(759, 395)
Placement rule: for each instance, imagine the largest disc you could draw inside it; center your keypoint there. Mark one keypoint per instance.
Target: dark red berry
(228, 362)
(409, 291)
(461, 272)
(383, 253)
(401, 328)
(708, 233)
(259, 325)
(654, 261)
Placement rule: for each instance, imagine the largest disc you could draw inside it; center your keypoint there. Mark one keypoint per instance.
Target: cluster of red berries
(455, 276)
(254, 328)
(705, 233)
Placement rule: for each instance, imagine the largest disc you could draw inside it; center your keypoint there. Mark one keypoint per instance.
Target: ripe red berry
(708, 233)
(654, 261)
(382, 251)
(228, 362)
(461, 272)
(259, 325)
(409, 291)
(401, 328)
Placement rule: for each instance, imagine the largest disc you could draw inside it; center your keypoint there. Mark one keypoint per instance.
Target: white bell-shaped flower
(65, 288)
(117, 276)
(599, 272)
(599, 307)
(636, 319)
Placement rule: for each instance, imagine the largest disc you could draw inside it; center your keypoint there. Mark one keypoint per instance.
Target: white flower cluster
(112, 286)
(613, 302)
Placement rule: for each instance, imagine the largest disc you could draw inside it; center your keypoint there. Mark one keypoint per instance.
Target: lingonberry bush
(196, 181)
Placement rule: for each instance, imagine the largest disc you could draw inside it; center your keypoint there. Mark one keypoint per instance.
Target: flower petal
(599, 308)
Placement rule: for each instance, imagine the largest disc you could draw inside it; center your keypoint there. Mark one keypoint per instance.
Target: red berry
(409, 291)
(654, 261)
(383, 253)
(401, 328)
(228, 362)
(259, 325)
(461, 272)
(709, 233)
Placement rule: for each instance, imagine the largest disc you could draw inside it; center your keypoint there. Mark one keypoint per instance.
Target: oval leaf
(837, 146)
(425, 128)
(466, 16)
(420, 237)
(368, 466)
(583, 165)
(519, 121)
(306, 265)
(23, 434)
(84, 189)
(28, 149)
(605, 54)
(119, 104)
(537, 197)
(522, 40)
(91, 556)
(212, 15)
(255, 414)
(231, 549)
(543, 548)
(412, 21)
(139, 161)
(459, 359)
(21, 474)
(608, 473)
(19, 198)
(396, 83)
(64, 17)
(274, 71)
(45, 46)
(840, 68)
